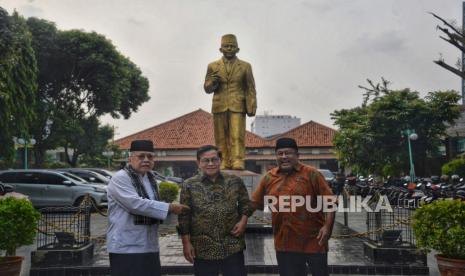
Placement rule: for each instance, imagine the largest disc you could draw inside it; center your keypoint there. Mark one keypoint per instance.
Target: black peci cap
(286, 143)
(142, 145)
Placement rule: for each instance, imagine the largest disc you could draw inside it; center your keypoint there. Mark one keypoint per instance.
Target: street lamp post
(411, 135)
(126, 155)
(108, 155)
(25, 143)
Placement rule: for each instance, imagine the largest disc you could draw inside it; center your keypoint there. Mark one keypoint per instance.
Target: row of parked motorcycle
(406, 193)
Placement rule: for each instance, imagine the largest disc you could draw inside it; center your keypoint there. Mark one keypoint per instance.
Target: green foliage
(441, 226)
(369, 137)
(93, 161)
(389, 170)
(55, 165)
(84, 136)
(81, 77)
(4, 165)
(18, 74)
(97, 159)
(18, 223)
(117, 152)
(168, 191)
(456, 166)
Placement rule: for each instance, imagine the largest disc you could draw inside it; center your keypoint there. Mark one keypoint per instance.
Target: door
(56, 193)
(24, 183)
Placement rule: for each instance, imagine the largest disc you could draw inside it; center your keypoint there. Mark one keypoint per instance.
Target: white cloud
(30, 10)
(308, 56)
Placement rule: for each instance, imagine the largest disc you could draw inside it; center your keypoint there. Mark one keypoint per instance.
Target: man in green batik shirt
(213, 231)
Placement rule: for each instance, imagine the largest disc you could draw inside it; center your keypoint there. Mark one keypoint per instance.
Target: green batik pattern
(215, 208)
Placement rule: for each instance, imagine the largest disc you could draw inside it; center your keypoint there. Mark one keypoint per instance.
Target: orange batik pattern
(295, 231)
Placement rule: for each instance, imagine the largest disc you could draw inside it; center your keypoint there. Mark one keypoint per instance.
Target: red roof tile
(195, 129)
(311, 134)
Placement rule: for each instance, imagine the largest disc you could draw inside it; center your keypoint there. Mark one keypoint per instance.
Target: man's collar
(296, 168)
(203, 176)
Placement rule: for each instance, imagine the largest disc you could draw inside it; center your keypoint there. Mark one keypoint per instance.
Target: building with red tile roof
(177, 140)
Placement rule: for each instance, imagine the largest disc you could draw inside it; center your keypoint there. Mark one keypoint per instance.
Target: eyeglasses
(142, 156)
(206, 161)
(286, 153)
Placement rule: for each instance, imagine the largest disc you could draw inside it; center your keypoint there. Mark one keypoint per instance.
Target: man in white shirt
(134, 213)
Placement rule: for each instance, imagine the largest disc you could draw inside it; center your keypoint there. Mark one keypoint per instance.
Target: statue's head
(229, 46)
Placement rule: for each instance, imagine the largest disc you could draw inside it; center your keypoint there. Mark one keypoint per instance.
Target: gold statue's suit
(234, 97)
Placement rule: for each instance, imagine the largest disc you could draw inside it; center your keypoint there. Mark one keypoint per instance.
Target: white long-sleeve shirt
(123, 236)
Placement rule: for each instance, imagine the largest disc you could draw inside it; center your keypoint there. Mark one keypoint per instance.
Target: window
(8, 177)
(83, 175)
(25, 177)
(74, 177)
(48, 178)
(460, 145)
(442, 150)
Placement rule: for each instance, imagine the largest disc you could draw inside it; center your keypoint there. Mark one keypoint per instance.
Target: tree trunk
(74, 158)
(68, 160)
(39, 156)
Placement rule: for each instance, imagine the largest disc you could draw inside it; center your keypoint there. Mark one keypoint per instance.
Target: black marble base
(258, 228)
(265, 269)
(63, 257)
(393, 255)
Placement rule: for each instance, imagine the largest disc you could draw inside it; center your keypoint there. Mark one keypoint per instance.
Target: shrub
(168, 191)
(456, 166)
(441, 226)
(18, 224)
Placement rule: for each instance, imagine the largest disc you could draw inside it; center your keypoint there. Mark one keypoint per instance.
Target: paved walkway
(345, 256)
(260, 250)
(260, 247)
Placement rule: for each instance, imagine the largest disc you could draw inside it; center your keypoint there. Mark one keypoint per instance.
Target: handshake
(178, 209)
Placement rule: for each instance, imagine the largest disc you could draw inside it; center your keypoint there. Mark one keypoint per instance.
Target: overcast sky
(308, 57)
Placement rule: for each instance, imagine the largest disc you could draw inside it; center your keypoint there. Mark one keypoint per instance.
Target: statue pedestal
(259, 222)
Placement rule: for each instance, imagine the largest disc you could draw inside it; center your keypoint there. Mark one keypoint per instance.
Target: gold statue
(232, 84)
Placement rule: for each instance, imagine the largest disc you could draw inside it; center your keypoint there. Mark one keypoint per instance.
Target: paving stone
(344, 257)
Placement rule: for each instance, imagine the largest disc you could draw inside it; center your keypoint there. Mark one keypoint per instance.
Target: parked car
(328, 175)
(89, 176)
(175, 179)
(103, 172)
(163, 178)
(53, 188)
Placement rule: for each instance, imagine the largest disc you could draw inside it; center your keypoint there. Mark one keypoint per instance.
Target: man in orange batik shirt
(300, 236)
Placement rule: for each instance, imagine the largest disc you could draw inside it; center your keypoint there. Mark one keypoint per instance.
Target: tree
(18, 69)
(89, 138)
(82, 77)
(369, 138)
(456, 37)
(44, 130)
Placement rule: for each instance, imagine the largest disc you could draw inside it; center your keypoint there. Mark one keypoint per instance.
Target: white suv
(51, 188)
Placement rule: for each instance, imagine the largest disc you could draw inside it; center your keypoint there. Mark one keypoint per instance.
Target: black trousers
(230, 266)
(135, 264)
(295, 263)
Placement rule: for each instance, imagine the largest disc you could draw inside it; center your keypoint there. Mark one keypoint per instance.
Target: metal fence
(64, 227)
(391, 229)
